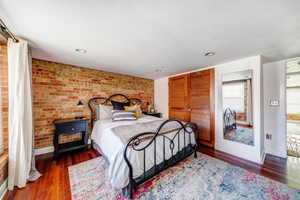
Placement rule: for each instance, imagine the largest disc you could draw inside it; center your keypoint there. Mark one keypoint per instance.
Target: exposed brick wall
(58, 87)
(4, 95)
(3, 110)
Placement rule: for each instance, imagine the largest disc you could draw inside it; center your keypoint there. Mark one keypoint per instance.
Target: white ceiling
(137, 37)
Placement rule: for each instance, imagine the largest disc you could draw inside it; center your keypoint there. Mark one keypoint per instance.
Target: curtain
(249, 102)
(234, 96)
(292, 102)
(21, 166)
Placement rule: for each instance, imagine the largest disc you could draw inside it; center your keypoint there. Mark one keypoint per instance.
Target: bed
(138, 150)
(229, 119)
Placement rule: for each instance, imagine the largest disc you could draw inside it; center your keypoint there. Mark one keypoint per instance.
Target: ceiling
(153, 39)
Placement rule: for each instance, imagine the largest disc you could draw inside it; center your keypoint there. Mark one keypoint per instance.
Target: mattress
(112, 147)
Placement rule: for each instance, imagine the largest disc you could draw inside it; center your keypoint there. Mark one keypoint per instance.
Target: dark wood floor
(54, 185)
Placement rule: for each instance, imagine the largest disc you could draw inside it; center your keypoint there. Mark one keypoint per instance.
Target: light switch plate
(274, 103)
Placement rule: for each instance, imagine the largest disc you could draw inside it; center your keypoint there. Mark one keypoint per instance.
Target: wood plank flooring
(54, 185)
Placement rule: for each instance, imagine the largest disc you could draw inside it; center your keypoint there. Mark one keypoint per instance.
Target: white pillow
(103, 112)
(123, 115)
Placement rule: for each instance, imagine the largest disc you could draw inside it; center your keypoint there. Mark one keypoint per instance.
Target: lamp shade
(80, 104)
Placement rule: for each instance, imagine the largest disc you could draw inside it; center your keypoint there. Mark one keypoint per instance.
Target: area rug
(241, 134)
(202, 178)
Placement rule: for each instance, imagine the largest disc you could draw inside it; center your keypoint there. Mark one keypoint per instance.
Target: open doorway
(293, 107)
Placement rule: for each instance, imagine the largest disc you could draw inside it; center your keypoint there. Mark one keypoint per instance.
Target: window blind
(234, 96)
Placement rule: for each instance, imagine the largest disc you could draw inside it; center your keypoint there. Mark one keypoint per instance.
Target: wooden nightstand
(69, 127)
(153, 114)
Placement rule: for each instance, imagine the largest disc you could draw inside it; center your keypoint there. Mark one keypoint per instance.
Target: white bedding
(113, 148)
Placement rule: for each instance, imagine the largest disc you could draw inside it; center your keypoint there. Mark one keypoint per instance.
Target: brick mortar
(58, 87)
(3, 111)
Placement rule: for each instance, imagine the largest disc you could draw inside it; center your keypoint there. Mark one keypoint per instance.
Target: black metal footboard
(179, 152)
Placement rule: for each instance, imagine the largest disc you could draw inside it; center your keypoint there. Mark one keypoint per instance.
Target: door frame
(283, 90)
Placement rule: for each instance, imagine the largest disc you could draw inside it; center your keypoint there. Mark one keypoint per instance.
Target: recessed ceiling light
(159, 69)
(81, 50)
(210, 53)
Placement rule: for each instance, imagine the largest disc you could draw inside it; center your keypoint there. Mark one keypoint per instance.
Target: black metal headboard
(93, 102)
(229, 119)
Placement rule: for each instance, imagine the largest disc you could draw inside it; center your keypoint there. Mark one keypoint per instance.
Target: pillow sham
(123, 115)
(136, 109)
(103, 112)
(119, 105)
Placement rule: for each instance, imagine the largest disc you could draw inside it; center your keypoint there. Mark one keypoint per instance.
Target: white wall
(274, 116)
(161, 96)
(253, 153)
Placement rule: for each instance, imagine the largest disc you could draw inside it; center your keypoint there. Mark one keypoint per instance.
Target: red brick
(57, 88)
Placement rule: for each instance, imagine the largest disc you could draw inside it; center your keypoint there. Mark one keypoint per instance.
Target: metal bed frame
(185, 131)
(229, 119)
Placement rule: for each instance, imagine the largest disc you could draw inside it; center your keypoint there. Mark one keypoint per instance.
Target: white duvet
(113, 149)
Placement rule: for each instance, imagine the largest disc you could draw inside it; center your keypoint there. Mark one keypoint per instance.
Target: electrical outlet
(269, 136)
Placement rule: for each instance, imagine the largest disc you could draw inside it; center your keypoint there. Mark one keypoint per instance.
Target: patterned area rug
(241, 134)
(202, 178)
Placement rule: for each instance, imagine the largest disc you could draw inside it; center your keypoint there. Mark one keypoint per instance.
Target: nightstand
(69, 127)
(153, 114)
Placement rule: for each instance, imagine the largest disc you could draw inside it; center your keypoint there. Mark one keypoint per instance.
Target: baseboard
(273, 153)
(44, 150)
(3, 189)
(48, 149)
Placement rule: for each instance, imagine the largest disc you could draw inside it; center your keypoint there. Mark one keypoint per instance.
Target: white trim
(48, 149)
(44, 150)
(3, 189)
(277, 153)
(283, 88)
(248, 152)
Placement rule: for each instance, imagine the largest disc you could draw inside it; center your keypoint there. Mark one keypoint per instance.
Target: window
(293, 88)
(293, 80)
(293, 103)
(234, 96)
